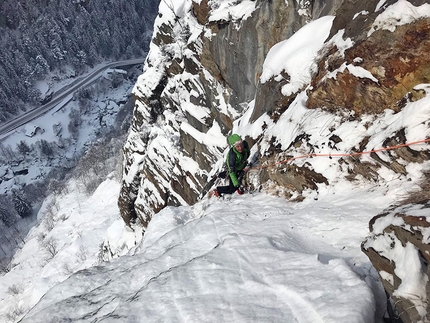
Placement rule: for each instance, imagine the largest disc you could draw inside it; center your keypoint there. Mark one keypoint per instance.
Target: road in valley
(56, 99)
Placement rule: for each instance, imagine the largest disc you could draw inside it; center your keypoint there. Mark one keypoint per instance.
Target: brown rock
(413, 230)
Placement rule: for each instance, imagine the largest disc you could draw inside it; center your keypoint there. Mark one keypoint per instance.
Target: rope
(343, 154)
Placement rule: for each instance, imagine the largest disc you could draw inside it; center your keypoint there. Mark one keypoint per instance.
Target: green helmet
(233, 138)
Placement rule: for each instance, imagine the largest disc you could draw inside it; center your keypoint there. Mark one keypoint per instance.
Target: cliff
(202, 71)
(289, 76)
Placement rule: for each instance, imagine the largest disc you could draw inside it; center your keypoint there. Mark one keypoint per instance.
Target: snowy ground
(250, 258)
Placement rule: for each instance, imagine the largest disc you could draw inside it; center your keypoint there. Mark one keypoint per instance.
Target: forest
(39, 37)
(42, 40)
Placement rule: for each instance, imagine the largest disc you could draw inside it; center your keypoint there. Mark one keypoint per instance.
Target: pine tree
(7, 212)
(23, 148)
(45, 148)
(21, 205)
(37, 37)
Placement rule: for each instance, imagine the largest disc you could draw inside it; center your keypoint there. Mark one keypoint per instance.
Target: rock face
(205, 77)
(219, 70)
(399, 249)
(196, 84)
(395, 62)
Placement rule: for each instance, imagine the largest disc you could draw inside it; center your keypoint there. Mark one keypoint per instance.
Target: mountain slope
(334, 159)
(342, 80)
(189, 97)
(251, 258)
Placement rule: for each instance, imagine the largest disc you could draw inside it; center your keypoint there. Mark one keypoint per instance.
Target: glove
(240, 191)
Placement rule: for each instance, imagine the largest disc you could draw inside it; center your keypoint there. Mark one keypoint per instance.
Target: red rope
(345, 154)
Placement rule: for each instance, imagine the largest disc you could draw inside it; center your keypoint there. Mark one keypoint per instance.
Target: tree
(39, 37)
(35, 192)
(41, 66)
(75, 122)
(21, 205)
(45, 148)
(23, 148)
(7, 211)
(51, 247)
(7, 153)
(117, 79)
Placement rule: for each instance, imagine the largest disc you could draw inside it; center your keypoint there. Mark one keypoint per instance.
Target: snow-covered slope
(250, 258)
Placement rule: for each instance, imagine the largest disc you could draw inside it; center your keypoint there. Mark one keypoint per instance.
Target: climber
(237, 166)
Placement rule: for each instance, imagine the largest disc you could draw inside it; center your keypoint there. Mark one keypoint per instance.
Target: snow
(364, 13)
(380, 5)
(53, 127)
(408, 268)
(231, 10)
(296, 55)
(400, 13)
(212, 138)
(244, 258)
(79, 227)
(249, 258)
(56, 81)
(360, 72)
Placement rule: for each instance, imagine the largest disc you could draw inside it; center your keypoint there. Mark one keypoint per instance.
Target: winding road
(69, 89)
